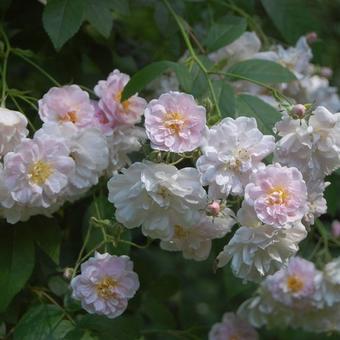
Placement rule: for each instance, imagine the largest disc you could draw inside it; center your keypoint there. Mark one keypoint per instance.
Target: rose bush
(168, 169)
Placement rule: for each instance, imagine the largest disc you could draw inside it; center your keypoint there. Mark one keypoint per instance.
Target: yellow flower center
(294, 283)
(70, 116)
(234, 337)
(174, 121)
(39, 172)
(105, 288)
(277, 196)
(118, 98)
(180, 232)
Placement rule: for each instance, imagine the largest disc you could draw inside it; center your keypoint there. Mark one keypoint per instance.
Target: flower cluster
(298, 296)
(194, 182)
(79, 141)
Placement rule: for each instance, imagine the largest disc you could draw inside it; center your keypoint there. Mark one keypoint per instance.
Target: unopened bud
(68, 272)
(298, 111)
(214, 208)
(311, 37)
(336, 228)
(326, 72)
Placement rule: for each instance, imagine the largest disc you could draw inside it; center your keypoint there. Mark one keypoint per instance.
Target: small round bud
(336, 228)
(311, 37)
(214, 208)
(298, 111)
(68, 272)
(326, 72)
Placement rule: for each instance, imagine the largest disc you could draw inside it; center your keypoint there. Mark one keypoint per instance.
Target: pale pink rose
(296, 286)
(278, 194)
(336, 228)
(232, 327)
(175, 122)
(105, 284)
(112, 111)
(66, 104)
(37, 172)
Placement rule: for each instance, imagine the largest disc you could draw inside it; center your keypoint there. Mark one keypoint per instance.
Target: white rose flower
(12, 130)
(195, 241)
(245, 47)
(316, 89)
(232, 150)
(326, 137)
(331, 282)
(295, 58)
(257, 250)
(121, 142)
(316, 202)
(158, 197)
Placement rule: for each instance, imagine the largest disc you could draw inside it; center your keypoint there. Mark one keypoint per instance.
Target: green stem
(146, 245)
(102, 228)
(4, 68)
(40, 69)
(78, 262)
(256, 82)
(325, 238)
(21, 110)
(194, 55)
(41, 293)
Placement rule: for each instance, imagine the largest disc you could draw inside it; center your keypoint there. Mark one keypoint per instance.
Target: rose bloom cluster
(79, 141)
(275, 183)
(298, 296)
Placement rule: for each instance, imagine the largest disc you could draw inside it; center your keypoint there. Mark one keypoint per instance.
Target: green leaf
(123, 328)
(264, 71)
(292, 18)
(58, 285)
(265, 114)
(144, 76)
(157, 312)
(222, 34)
(16, 261)
(119, 6)
(62, 19)
(98, 13)
(226, 97)
(42, 322)
(47, 235)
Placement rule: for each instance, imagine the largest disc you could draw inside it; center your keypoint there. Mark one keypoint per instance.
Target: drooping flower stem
(194, 56)
(40, 69)
(7, 49)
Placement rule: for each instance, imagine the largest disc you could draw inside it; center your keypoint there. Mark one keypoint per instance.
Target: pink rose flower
(37, 172)
(66, 104)
(296, 286)
(112, 111)
(105, 284)
(175, 122)
(232, 327)
(278, 194)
